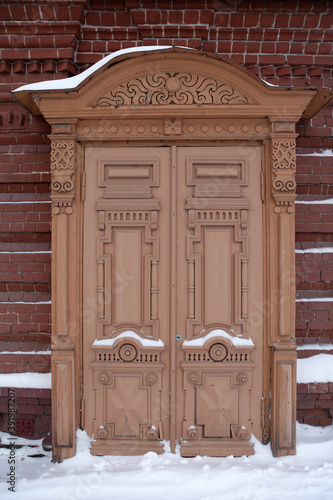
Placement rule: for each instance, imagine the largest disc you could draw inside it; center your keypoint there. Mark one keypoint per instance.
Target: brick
(251, 20)
(206, 16)
(267, 20)
(5, 67)
(318, 388)
(311, 412)
(275, 59)
(281, 21)
(283, 71)
(191, 17)
(325, 421)
(175, 17)
(4, 13)
(222, 20)
(326, 21)
(297, 20)
(301, 405)
(311, 420)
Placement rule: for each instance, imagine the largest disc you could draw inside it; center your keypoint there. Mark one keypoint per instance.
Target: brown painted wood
(173, 186)
(192, 256)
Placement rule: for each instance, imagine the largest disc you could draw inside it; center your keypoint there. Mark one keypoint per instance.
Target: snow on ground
(306, 476)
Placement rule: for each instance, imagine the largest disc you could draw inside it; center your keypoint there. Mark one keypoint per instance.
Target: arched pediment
(143, 80)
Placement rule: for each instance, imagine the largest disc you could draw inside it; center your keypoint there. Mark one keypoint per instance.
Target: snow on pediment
(171, 88)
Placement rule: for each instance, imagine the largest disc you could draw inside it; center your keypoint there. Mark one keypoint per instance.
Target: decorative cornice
(171, 88)
(184, 127)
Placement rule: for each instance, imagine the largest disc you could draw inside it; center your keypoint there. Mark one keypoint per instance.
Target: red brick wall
(30, 404)
(315, 404)
(284, 42)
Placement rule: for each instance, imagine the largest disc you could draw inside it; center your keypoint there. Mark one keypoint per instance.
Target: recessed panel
(127, 172)
(218, 272)
(127, 406)
(219, 171)
(127, 276)
(217, 406)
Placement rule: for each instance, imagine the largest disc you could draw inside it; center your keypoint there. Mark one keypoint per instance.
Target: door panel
(220, 289)
(134, 363)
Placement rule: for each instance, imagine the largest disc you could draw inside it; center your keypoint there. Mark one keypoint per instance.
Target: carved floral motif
(173, 127)
(172, 88)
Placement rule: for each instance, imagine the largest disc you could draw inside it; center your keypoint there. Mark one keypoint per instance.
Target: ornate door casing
(173, 97)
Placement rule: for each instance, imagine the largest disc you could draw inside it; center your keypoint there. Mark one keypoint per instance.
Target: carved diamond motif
(284, 155)
(62, 155)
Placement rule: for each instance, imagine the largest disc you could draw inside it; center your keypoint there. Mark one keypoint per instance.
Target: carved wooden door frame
(173, 96)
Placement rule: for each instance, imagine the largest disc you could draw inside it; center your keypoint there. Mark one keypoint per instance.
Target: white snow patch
(6, 438)
(83, 441)
(75, 81)
(25, 352)
(326, 152)
(316, 299)
(27, 253)
(32, 202)
(26, 380)
(329, 201)
(269, 84)
(316, 369)
(315, 347)
(236, 341)
(132, 335)
(306, 476)
(316, 250)
(22, 302)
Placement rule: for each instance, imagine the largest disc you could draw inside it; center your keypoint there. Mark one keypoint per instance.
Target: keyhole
(178, 337)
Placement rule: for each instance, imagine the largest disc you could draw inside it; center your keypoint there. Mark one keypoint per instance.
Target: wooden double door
(172, 299)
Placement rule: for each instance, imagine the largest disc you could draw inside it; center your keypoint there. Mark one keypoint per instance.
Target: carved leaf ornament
(171, 88)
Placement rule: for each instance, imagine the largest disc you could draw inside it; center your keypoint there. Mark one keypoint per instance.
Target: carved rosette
(192, 432)
(284, 167)
(102, 432)
(62, 175)
(152, 433)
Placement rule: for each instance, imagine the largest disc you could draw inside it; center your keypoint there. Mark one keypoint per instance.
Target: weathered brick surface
(315, 404)
(286, 43)
(29, 404)
(314, 275)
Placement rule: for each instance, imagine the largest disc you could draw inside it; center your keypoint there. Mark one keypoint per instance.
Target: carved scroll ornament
(284, 166)
(172, 88)
(62, 172)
